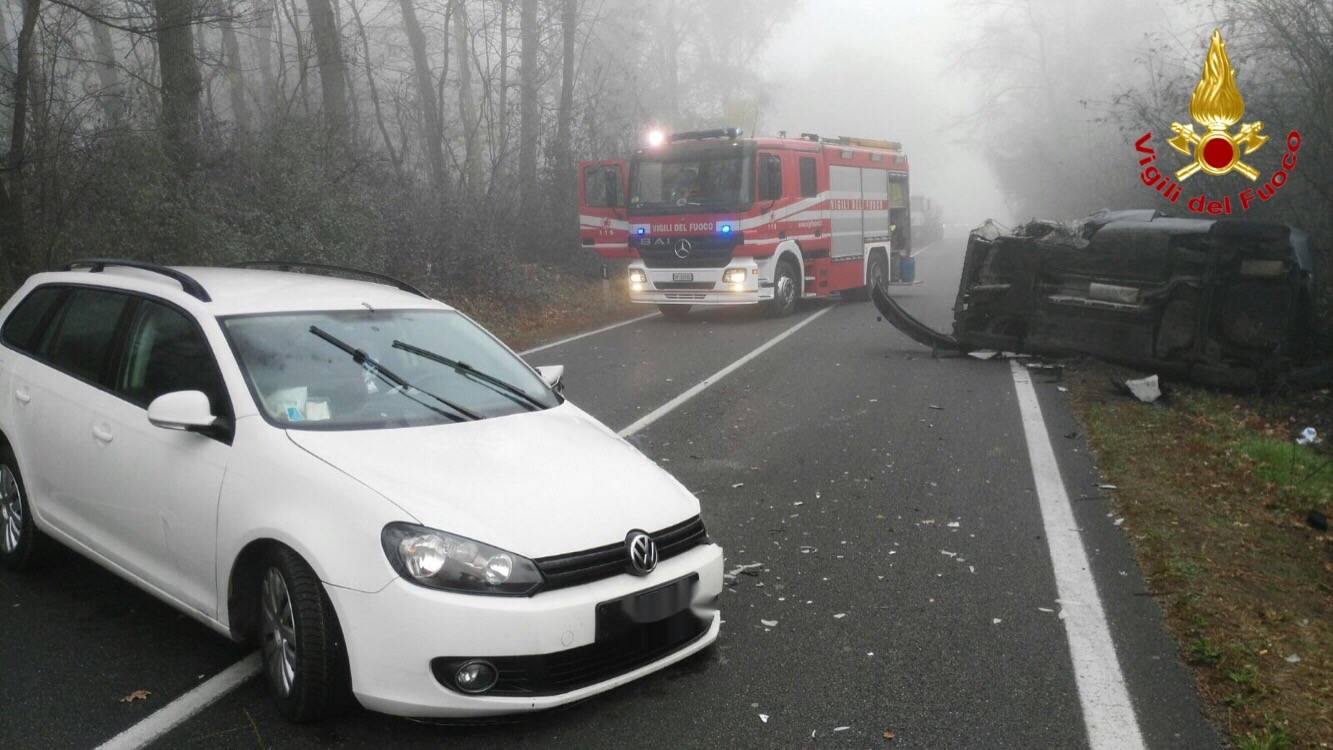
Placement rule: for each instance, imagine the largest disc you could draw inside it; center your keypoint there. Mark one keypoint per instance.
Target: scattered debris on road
(137, 695)
(1223, 303)
(1147, 390)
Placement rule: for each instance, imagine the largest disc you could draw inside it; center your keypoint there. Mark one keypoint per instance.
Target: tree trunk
(332, 69)
(181, 84)
(432, 131)
(240, 103)
(529, 111)
(12, 239)
(375, 92)
(263, 42)
(466, 106)
(565, 115)
(112, 95)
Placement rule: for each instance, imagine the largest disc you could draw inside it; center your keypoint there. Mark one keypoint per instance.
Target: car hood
(538, 483)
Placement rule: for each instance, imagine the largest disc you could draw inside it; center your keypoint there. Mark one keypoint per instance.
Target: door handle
(102, 434)
(22, 395)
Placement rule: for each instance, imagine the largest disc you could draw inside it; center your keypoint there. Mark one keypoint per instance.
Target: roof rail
(187, 282)
(287, 265)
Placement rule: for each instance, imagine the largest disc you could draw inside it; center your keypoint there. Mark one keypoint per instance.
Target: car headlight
(733, 276)
(439, 560)
(637, 276)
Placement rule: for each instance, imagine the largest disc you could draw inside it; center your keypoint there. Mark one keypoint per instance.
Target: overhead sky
(881, 69)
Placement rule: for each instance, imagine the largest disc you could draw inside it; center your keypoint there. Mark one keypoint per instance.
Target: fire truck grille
(703, 252)
(697, 285)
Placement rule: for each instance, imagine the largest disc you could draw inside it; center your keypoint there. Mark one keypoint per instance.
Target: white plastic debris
(1308, 436)
(983, 354)
(840, 615)
(1107, 487)
(996, 621)
(841, 729)
(738, 485)
(1146, 389)
(763, 718)
(1119, 521)
(769, 623)
(952, 524)
(1293, 659)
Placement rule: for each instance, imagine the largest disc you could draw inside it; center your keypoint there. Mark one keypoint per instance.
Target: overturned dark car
(1224, 303)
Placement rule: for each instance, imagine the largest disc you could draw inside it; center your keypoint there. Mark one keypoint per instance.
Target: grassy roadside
(1211, 489)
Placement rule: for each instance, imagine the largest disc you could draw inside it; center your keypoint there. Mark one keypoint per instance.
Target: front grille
(704, 252)
(684, 284)
(561, 571)
(563, 671)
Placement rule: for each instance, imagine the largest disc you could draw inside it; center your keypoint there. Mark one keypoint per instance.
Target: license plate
(619, 615)
(682, 277)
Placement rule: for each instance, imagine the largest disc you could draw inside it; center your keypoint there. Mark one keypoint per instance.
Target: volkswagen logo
(642, 553)
(683, 249)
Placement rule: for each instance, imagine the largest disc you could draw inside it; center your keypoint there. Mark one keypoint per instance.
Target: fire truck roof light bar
(699, 135)
(862, 142)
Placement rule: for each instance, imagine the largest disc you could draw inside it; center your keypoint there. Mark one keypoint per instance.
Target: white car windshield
(364, 369)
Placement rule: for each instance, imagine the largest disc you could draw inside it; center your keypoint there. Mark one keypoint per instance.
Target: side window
(86, 330)
(31, 317)
(601, 187)
(770, 177)
(165, 352)
(809, 185)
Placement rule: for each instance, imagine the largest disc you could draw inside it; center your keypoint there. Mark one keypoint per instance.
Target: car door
(63, 391)
(24, 331)
(165, 483)
(603, 225)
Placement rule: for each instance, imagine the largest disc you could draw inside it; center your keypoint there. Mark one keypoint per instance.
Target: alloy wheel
(278, 631)
(11, 509)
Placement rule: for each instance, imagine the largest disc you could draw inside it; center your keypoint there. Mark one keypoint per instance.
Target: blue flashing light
(640, 230)
(726, 229)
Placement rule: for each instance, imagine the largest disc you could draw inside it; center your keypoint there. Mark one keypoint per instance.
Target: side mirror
(181, 410)
(553, 376)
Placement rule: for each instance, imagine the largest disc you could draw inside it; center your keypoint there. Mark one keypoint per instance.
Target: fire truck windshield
(692, 181)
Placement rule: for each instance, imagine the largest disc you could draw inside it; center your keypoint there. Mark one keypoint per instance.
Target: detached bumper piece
(1225, 303)
(565, 671)
(577, 568)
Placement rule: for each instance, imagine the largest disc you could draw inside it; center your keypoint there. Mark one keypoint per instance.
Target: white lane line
(704, 384)
(1108, 713)
(586, 334)
(174, 713)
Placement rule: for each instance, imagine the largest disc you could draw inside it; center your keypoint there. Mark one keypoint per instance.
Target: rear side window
(165, 352)
(33, 315)
(770, 177)
(86, 330)
(601, 187)
(809, 185)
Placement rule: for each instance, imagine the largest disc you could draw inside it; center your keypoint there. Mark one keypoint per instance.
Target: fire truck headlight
(733, 276)
(656, 138)
(637, 276)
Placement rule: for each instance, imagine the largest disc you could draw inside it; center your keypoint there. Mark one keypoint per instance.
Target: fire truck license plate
(682, 277)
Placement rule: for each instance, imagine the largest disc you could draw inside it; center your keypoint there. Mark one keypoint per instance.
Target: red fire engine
(711, 218)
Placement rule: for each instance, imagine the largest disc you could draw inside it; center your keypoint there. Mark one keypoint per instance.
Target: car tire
(301, 643)
(22, 545)
(675, 312)
(786, 289)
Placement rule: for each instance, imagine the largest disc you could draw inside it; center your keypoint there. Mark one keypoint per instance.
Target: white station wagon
(360, 479)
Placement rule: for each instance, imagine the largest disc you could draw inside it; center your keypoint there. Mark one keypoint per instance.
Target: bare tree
(332, 68)
(112, 95)
(240, 103)
(564, 116)
(529, 109)
(12, 198)
(432, 130)
(263, 43)
(467, 108)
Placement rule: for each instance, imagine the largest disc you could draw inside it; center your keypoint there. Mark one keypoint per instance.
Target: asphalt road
(887, 494)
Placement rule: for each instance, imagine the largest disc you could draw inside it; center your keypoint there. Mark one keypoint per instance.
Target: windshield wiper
(515, 393)
(360, 357)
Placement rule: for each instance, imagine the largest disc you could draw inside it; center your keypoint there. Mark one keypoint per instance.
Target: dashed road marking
(707, 382)
(586, 334)
(1108, 713)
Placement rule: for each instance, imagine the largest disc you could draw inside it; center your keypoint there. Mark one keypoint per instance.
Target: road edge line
(1108, 711)
(586, 334)
(175, 713)
(704, 384)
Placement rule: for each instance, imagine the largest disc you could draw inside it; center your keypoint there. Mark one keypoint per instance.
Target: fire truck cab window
(689, 182)
(770, 177)
(601, 187)
(809, 185)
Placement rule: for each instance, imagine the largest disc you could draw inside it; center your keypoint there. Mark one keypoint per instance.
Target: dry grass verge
(1215, 497)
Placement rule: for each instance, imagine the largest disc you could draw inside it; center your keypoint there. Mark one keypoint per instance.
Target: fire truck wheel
(786, 289)
(675, 312)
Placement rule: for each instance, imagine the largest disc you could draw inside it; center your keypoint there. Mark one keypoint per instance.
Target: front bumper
(393, 635)
(705, 286)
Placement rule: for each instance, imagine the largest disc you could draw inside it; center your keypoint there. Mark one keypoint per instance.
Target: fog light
(733, 276)
(476, 677)
(637, 276)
